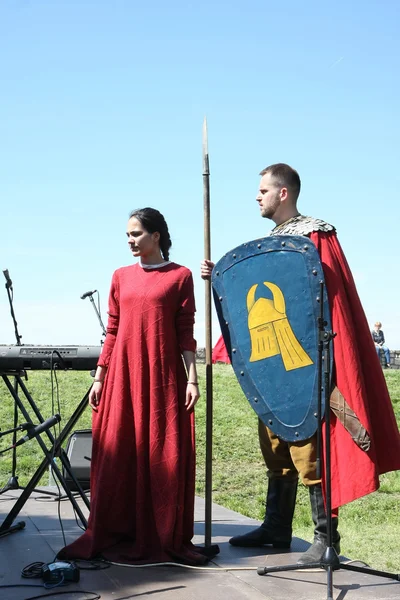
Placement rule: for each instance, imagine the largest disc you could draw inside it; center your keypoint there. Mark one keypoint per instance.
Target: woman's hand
(95, 395)
(192, 395)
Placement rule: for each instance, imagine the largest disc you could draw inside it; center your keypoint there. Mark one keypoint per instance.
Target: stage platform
(231, 576)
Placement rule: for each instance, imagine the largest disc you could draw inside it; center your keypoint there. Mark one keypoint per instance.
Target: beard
(268, 211)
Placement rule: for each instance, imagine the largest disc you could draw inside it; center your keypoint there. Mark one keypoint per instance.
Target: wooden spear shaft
(209, 378)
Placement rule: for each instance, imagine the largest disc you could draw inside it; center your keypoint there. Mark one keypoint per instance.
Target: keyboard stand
(56, 451)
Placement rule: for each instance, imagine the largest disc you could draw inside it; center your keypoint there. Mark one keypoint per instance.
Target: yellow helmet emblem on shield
(270, 330)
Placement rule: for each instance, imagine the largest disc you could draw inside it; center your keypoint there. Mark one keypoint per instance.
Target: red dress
(143, 460)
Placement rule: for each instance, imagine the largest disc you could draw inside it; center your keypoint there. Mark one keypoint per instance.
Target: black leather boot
(319, 545)
(277, 526)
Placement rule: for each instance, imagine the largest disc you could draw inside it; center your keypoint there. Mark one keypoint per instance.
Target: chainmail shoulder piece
(302, 225)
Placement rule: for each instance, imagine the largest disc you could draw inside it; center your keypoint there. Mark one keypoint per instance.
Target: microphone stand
(10, 295)
(12, 483)
(23, 427)
(330, 560)
(97, 311)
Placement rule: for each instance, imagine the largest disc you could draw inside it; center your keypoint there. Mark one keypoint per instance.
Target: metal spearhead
(206, 165)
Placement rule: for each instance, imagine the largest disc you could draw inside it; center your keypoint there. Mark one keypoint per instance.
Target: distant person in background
(379, 340)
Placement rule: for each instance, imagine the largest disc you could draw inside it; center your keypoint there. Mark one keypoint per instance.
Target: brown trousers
(288, 459)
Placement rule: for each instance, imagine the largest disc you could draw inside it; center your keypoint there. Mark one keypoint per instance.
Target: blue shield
(267, 294)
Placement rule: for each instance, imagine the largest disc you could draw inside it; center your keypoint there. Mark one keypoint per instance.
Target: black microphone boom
(37, 429)
(88, 294)
(8, 279)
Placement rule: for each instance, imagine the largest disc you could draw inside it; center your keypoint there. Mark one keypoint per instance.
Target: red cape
(359, 377)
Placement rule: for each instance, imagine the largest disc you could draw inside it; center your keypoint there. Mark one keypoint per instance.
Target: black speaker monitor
(79, 453)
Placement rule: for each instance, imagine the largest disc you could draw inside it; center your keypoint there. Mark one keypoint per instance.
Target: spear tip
(205, 137)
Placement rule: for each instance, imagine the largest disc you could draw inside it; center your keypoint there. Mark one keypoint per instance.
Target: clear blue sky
(102, 104)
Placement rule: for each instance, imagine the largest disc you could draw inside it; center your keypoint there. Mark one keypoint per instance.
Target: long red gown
(143, 460)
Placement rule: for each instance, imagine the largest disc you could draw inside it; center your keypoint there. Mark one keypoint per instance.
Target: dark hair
(285, 177)
(152, 220)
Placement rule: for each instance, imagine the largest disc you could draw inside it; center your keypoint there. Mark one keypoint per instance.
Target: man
(358, 380)
(379, 341)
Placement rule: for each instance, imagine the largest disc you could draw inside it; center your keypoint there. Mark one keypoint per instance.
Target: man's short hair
(378, 324)
(285, 176)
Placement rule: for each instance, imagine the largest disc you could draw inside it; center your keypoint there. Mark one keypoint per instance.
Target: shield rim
(290, 243)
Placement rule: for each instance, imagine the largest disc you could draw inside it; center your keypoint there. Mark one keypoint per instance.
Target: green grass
(369, 526)
(72, 387)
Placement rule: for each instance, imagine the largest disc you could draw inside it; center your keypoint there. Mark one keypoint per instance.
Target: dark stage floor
(233, 574)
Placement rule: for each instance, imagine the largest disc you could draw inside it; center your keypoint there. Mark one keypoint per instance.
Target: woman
(143, 463)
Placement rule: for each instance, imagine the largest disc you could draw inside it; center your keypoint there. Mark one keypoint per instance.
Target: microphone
(88, 294)
(25, 426)
(37, 429)
(8, 279)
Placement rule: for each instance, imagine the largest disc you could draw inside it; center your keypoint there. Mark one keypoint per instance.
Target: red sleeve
(185, 316)
(113, 322)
